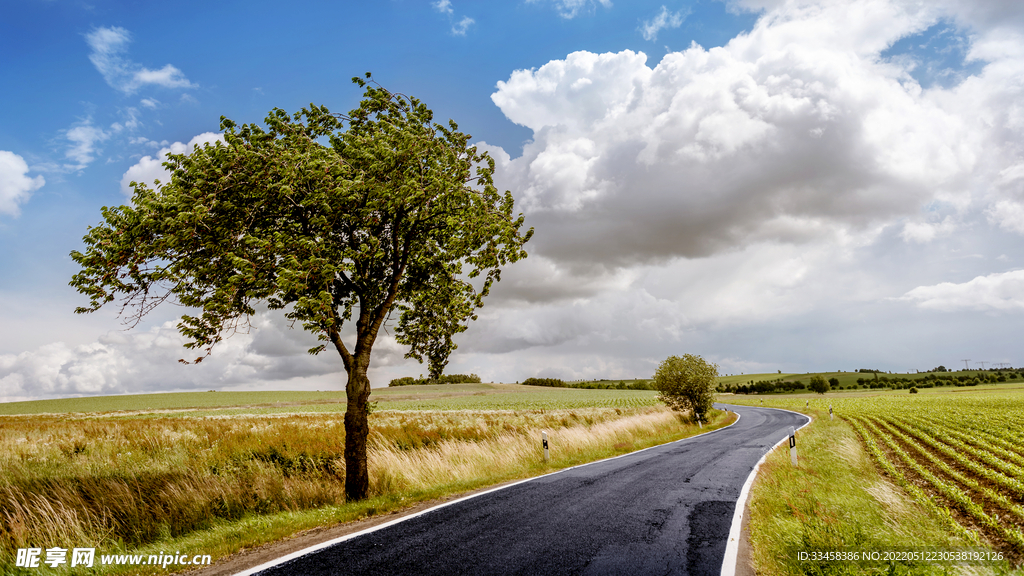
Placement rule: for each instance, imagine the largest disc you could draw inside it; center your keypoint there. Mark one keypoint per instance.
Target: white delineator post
(544, 440)
(830, 412)
(699, 423)
(792, 445)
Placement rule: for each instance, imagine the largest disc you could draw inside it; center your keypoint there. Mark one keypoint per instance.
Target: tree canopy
(819, 384)
(687, 383)
(333, 218)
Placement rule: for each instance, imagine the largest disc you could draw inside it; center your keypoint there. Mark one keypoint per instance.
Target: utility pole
(966, 367)
(982, 362)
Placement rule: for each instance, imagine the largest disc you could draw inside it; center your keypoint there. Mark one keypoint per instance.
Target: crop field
(437, 397)
(219, 471)
(959, 453)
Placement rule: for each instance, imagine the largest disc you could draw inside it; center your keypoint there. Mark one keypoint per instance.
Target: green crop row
(956, 450)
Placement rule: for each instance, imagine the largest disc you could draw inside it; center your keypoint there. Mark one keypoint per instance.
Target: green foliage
(777, 385)
(396, 212)
(443, 379)
(687, 383)
(913, 390)
(819, 385)
(549, 382)
(591, 384)
(330, 217)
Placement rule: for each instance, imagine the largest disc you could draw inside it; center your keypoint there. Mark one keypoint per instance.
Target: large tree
(333, 218)
(687, 384)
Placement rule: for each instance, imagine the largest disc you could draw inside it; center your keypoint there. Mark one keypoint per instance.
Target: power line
(966, 367)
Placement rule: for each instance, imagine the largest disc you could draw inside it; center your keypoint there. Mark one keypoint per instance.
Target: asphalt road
(665, 510)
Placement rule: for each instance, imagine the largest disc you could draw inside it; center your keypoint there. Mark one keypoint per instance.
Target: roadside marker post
(792, 445)
(544, 440)
(830, 412)
(699, 423)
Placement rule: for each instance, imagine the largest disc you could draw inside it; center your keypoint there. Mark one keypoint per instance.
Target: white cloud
(269, 354)
(1008, 215)
(459, 28)
(665, 19)
(151, 168)
(443, 6)
(84, 139)
(151, 103)
(108, 47)
(923, 232)
(569, 9)
(788, 133)
(15, 185)
(999, 292)
(131, 121)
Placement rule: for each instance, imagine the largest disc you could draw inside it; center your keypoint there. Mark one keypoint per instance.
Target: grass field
(217, 472)
(436, 397)
(940, 469)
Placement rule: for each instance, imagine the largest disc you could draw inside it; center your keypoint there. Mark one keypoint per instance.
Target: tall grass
(124, 483)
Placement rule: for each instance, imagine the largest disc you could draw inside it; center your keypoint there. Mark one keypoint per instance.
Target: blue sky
(789, 184)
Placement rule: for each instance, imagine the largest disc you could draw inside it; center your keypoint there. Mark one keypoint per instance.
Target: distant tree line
(765, 387)
(592, 384)
(945, 379)
(443, 379)
(879, 380)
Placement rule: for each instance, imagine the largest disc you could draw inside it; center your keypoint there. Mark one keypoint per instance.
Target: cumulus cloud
(665, 19)
(443, 6)
(150, 168)
(270, 353)
(794, 132)
(790, 172)
(15, 185)
(109, 46)
(923, 232)
(1000, 292)
(1008, 215)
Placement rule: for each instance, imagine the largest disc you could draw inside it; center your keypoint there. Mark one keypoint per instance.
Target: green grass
(834, 500)
(852, 488)
(432, 397)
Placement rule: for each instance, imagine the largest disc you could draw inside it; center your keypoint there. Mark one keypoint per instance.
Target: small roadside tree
(687, 383)
(819, 384)
(333, 218)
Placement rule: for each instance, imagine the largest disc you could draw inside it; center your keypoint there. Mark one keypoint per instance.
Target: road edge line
(732, 545)
(316, 547)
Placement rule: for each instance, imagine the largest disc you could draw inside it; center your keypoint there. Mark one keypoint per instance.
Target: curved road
(664, 510)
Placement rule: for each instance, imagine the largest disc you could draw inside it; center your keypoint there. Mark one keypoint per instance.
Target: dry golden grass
(127, 482)
(394, 469)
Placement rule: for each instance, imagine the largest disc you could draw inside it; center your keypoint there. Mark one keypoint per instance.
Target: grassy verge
(838, 499)
(273, 479)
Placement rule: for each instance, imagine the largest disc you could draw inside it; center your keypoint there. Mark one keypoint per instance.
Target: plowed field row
(966, 461)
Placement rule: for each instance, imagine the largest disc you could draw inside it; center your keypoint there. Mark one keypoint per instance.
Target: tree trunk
(357, 429)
